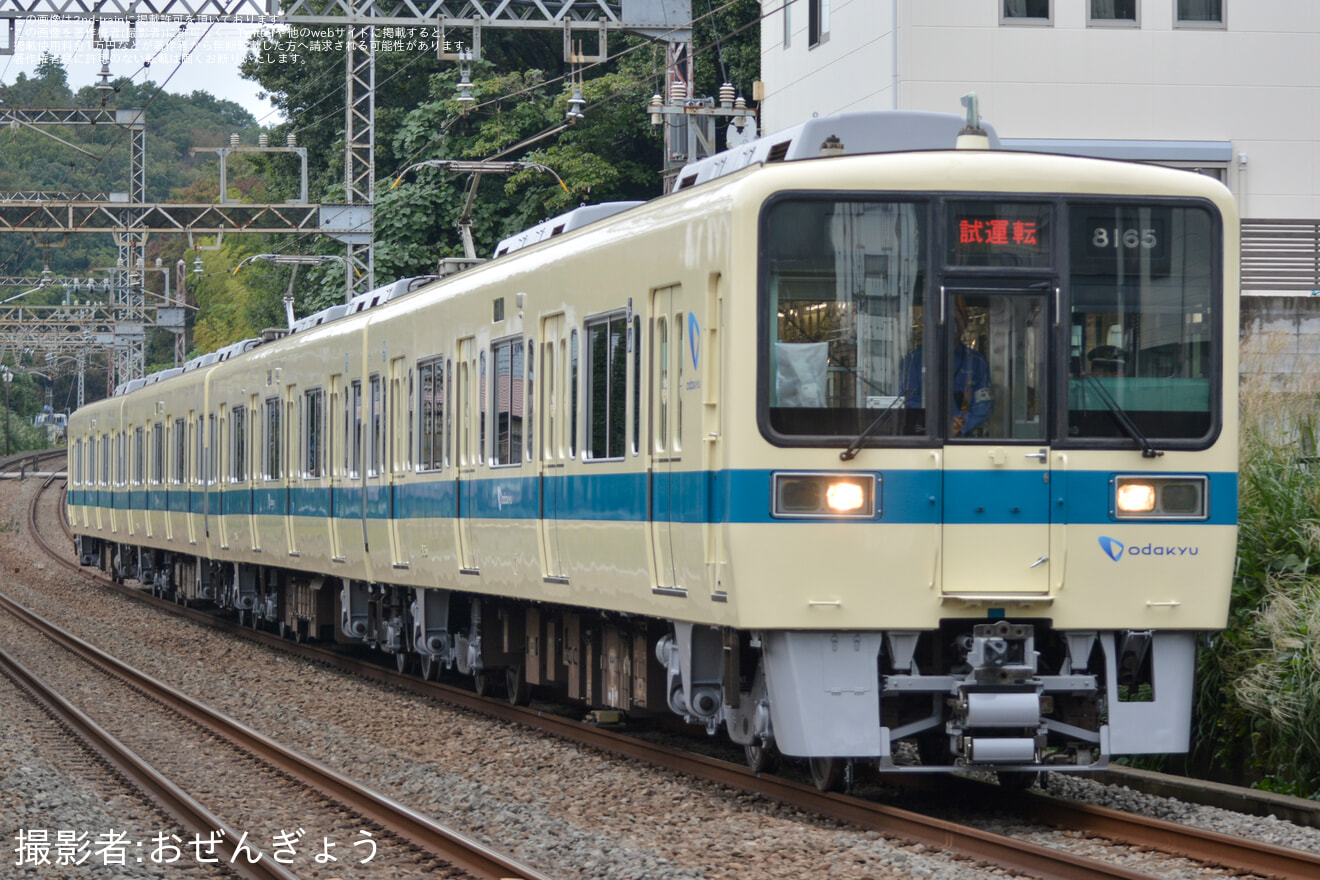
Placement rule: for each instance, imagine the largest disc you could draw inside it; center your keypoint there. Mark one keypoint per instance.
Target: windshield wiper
(1147, 451)
(851, 452)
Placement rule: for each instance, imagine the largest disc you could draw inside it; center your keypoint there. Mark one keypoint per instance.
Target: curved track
(1009, 853)
(465, 854)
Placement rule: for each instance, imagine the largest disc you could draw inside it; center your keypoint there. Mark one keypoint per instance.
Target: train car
(871, 442)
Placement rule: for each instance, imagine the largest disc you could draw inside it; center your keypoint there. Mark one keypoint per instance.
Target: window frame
(509, 456)
(1133, 22)
(238, 444)
(605, 319)
(818, 23)
(1024, 20)
(313, 433)
(272, 463)
(430, 415)
(1191, 24)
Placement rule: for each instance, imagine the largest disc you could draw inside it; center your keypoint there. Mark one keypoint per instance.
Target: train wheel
(481, 683)
(430, 666)
(283, 630)
(762, 757)
(401, 662)
(826, 773)
(1017, 781)
(515, 684)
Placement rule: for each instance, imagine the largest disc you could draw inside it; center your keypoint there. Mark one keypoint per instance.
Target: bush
(1259, 684)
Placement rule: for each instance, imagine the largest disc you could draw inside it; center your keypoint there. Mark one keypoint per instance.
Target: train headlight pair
(1147, 497)
(846, 496)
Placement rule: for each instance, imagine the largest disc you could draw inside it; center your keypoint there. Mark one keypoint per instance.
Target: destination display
(999, 234)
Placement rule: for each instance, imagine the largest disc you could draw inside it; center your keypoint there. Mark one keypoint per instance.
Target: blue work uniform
(971, 386)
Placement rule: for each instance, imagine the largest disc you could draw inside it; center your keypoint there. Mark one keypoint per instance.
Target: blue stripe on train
(739, 496)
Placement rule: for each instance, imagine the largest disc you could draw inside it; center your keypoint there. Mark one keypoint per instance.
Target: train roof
(882, 131)
(566, 222)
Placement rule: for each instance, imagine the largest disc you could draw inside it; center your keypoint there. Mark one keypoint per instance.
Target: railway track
(242, 768)
(1012, 854)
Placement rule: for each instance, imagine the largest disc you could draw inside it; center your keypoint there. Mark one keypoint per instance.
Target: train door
(469, 442)
(663, 449)
(996, 531)
(551, 458)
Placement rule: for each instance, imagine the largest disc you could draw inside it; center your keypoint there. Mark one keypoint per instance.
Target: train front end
(989, 504)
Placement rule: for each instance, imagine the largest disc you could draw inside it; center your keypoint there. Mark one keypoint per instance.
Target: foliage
(1258, 701)
(521, 88)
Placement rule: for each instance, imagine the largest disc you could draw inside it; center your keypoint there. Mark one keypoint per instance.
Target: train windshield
(1143, 317)
(845, 283)
(847, 309)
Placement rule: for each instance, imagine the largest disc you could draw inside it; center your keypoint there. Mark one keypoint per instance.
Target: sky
(212, 55)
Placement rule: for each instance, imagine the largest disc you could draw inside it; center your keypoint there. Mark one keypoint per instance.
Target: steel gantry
(462, 22)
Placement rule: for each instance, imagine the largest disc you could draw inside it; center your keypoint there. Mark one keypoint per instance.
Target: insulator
(677, 92)
(726, 95)
(233, 139)
(263, 140)
(575, 106)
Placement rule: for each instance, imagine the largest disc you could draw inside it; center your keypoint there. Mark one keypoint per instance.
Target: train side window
(481, 408)
(238, 461)
(548, 436)
(180, 444)
(355, 438)
(431, 405)
(157, 453)
(139, 456)
(637, 384)
(530, 398)
(272, 468)
(376, 459)
(660, 351)
(412, 425)
(573, 394)
(447, 419)
(395, 432)
(607, 387)
(678, 386)
(313, 431)
(213, 444)
(509, 402)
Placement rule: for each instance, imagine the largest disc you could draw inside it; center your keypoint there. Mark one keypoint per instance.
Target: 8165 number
(1103, 237)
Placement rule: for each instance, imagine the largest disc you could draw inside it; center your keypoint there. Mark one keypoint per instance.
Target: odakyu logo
(1115, 550)
(694, 337)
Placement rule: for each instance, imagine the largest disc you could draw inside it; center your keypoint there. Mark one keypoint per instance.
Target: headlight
(1135, 498)
(1147, 497)
(841, 496)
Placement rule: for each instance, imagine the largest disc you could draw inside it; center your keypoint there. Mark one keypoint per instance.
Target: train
(872, 442)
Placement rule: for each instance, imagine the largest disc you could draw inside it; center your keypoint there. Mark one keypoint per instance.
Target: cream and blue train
(868, 432)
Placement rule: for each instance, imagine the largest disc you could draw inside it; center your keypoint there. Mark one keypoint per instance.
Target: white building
(1232, 86)
(1228, 87)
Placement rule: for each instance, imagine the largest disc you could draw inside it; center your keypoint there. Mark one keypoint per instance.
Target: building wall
(1254, 83)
